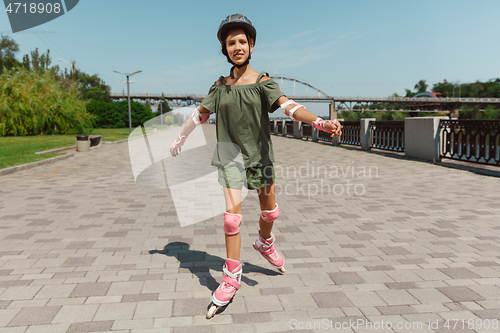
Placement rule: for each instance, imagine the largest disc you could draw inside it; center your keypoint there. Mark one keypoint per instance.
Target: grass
(110, 134)
(21, 149)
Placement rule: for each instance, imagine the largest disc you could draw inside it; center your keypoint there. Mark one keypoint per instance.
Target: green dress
(242, 125)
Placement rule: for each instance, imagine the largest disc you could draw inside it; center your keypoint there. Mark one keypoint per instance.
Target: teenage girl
(241, 102)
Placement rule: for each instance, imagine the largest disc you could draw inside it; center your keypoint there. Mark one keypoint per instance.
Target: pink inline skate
(229, 286)
(267, 250)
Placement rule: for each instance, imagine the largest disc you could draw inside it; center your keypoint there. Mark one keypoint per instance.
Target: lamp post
(128, 93)
(72, 63)
(162, 95)
(122, 82)
(161, 110)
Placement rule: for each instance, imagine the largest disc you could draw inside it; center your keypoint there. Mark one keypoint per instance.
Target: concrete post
(423, 138)
(364, 133)
(297, 129)
(284, 128)
(333, 112)
(314, 135)
(275, 127)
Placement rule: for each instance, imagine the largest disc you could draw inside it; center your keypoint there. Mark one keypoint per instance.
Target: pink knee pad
(271, 215)
(232, 223)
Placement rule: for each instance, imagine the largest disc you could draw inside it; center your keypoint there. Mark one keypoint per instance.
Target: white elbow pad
(292, 111)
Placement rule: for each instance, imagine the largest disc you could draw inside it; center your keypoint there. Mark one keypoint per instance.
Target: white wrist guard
(292, 111)
(198, 117)
(320, 124)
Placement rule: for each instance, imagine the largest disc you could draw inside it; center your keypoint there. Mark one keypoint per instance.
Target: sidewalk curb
(54, 150)
(16, 168)
(119, 141)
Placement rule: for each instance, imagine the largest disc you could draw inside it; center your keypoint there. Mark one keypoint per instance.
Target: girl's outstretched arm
(299, 112)
(199, 116)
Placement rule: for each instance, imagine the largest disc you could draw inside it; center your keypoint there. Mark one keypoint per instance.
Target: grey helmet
(236, 21)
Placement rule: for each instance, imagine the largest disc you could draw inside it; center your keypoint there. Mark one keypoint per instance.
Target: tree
(34, 102)
(445, 88)
(409, 93)
(421, 86)
(91, 87)
(39, 62)
(107, 115)
(8, 50)
(140, 113)
(169, 120)
(163, 106)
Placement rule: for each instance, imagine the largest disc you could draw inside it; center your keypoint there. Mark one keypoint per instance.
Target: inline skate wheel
(211, 312)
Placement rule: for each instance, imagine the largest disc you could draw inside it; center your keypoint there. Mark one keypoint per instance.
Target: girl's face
(237, 46)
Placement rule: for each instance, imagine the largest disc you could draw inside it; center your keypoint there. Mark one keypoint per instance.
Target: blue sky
(346, 48)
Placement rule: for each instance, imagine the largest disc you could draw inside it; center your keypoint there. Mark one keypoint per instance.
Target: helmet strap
(231, 72)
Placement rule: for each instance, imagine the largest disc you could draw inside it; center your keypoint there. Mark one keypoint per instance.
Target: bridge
(357, 103)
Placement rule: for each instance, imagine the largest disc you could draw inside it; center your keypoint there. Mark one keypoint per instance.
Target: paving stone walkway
(83, 249)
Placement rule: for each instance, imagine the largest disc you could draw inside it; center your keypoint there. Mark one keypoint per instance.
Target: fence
(350, 133)
(476, 141)
(426, 138)
(387, 135)
(279, 125)
(307, 131)
(289, 128)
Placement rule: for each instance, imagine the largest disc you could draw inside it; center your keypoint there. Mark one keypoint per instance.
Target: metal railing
(280, 127)
(289, 128)
(350, 133)
(476, 141)
(307, 131)
(324, 136)
(387, 135)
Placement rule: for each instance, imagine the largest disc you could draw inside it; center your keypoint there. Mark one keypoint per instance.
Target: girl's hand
(175, 147)
(329, 126)
(335, 129)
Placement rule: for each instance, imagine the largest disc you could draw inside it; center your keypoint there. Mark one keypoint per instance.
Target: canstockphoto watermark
(365, 324)
(356, 324)
(314, 169)
(28, 14)
(311, 179)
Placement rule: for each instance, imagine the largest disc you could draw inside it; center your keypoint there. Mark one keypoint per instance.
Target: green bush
(107, 115)
(169, 120)
(115, 114)
(33, 102)
(140, 112)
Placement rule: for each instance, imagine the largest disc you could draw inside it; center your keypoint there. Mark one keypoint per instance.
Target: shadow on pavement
(199, 263)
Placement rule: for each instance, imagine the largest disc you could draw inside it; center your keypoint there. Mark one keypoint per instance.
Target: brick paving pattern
(83, 249)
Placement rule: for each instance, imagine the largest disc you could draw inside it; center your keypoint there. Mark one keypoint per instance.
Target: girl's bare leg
(267, 202)
(233, 206)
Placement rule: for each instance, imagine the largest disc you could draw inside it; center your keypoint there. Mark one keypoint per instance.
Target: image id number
(19, 7)
(472, 324)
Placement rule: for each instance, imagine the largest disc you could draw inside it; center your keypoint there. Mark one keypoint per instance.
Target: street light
(161, 110)
(72, 63)
(122, 82)
(128, 92)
